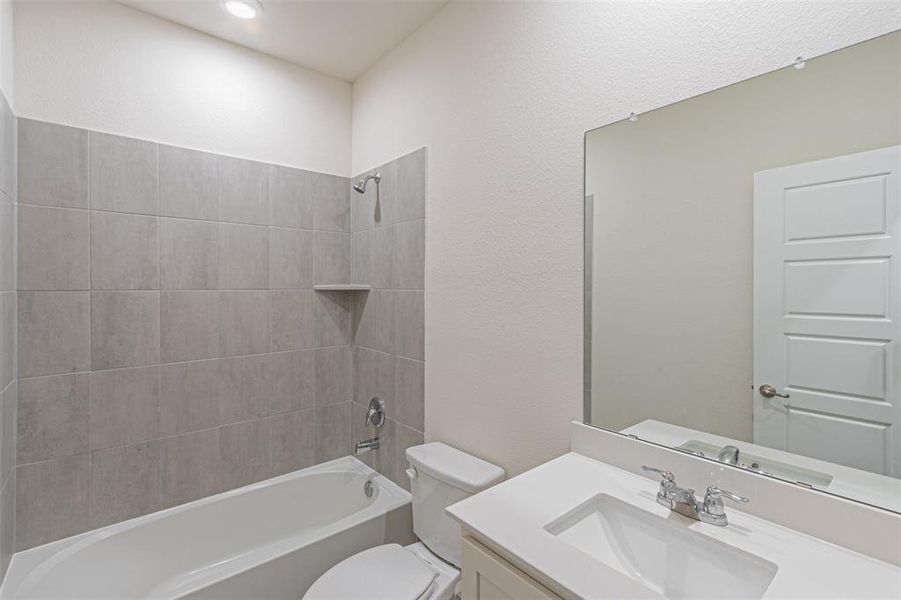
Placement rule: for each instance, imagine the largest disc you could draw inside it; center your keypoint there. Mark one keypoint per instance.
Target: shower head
(360, 186)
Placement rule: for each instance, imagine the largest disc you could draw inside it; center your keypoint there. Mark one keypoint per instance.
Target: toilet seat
(387, 572)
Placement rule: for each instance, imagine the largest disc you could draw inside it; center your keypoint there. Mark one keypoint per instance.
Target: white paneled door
(827, 304)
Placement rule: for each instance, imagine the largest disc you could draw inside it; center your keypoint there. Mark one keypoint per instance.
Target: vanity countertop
(512, 516)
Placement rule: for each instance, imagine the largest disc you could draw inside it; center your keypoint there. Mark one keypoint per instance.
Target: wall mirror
(743, 274)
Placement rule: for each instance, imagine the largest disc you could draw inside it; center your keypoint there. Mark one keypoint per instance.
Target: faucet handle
(715, 491)
(667, 475)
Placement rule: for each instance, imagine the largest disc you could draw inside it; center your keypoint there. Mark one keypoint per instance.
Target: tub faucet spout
(365, 446)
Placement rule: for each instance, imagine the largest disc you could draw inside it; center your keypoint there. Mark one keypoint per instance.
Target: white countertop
(512, 516)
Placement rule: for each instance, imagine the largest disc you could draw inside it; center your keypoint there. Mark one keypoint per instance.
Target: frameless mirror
(743, 274)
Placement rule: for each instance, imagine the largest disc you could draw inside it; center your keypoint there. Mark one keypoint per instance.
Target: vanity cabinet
(487, 576)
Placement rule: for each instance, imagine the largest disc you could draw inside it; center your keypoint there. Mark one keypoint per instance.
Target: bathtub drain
(367, 488)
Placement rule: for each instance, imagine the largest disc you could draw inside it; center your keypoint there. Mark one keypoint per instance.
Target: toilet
(429, 569)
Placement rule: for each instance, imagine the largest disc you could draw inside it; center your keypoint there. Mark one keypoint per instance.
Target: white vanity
(578, 527)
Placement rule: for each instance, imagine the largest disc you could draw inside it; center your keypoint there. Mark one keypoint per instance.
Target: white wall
(107, 67)
(7, 54)
(501, 94)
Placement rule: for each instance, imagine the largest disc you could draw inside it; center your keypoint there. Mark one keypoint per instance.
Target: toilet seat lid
(385, 572)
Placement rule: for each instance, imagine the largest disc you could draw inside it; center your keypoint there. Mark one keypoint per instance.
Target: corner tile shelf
(342, 287)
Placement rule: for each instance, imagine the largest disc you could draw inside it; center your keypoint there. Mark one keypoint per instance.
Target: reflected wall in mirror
(743, 274)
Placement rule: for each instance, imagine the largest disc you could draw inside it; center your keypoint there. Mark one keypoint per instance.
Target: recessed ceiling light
(243, 9)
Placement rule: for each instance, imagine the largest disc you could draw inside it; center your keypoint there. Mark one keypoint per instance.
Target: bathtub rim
(390, 497)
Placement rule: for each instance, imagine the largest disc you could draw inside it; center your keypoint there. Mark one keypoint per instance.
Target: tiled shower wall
(388, 253)
(170, 343)
(7, 332)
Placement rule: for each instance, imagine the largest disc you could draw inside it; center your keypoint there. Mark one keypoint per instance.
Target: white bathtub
(267, 540)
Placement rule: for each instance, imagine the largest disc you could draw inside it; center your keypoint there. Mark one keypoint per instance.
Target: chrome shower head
(360, 186)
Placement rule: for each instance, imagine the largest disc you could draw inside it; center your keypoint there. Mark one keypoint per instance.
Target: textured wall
(388, 252)
(107, 67)
(170, 344)
(501, 93)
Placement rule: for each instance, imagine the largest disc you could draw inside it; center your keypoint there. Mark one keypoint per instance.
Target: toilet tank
(439, 477)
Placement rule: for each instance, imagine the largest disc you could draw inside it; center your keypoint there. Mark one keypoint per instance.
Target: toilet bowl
(429, 569)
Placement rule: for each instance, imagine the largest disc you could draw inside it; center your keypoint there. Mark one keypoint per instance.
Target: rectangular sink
(662, 554)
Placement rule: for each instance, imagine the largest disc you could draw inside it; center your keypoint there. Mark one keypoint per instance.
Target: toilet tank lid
(454, 467)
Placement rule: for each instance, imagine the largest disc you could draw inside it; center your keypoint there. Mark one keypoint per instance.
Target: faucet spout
(728, 455)
(364, 446)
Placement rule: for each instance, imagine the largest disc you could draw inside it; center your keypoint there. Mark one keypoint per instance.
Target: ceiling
(342, 38)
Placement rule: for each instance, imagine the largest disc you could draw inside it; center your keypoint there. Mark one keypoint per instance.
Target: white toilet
(429, 570)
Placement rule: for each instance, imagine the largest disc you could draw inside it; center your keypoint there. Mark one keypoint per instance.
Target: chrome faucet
(365, 446)
(375, 417)
(683, 501)
(728, 455)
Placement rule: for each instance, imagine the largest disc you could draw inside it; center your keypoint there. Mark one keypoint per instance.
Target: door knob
(768, 391)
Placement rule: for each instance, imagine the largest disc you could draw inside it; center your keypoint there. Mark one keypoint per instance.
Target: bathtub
(267, 540)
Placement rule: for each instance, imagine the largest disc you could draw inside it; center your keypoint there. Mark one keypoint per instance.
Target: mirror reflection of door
(827, 308)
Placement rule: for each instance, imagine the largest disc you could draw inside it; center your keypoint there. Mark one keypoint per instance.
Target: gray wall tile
(189, 325)
(333, 372)
(291, 320)
(373, 376)
(243, 388)
(373, 324)
(410, 324)
(246, 453)
(189, 184)
(383, 267)
(191, 467)
(409, 254)
(292, 382)
(294, 440)
(244, 323)
(189, 254)
(53, 164)
(332, 431)
(388, 252)
(54, 417)
(332, 316)
(361, 257)
(409, 394)
(9, 140)
(8, 242)
(290, 258)
(237, 398)
(189, 396)
(331, 202)
(124, 252)
(53, 500)
(125, 406)
(7, 523)
(125, 329)
(54, 248)
(331, 262)
(54, 332)
(124, 174)
(290, 197)
(7, 337)
(410, 195)
(9, 401)
(243, 257)
(243, 191)
(126, 482)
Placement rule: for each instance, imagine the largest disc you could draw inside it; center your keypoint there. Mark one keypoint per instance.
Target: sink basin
(662, 554)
